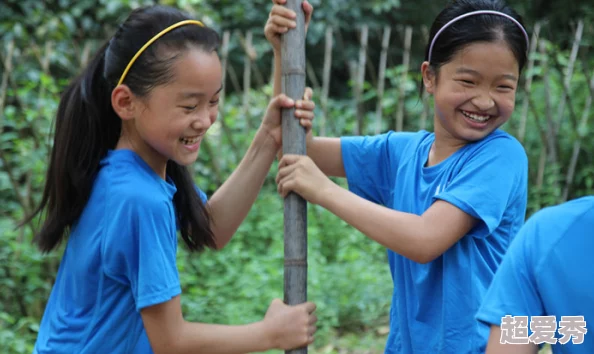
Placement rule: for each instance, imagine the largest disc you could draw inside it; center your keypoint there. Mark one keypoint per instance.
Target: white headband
(480, 12)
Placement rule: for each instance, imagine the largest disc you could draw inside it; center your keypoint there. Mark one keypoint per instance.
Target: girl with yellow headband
(118, 185)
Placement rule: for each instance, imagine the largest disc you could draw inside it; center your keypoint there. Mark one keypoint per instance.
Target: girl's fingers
(306, 105)
(276, 28)
(308, 93)
(285, 186)
(281, 11)
(284, 171)
(305, 123)
(282, 22)
(304, 114)
(289, 159)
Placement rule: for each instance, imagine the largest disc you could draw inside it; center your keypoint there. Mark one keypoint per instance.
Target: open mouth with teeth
(479, 118)
(190, 140)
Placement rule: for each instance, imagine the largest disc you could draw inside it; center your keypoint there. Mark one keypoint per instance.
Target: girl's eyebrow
(185, 95)
(463, 70)
(510, 77)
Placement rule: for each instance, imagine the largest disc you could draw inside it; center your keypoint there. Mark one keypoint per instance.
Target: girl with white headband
(118, 185)
(445, 203)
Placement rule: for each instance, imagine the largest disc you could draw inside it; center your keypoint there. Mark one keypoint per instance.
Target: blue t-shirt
(548, 271)
(120, 258)
(434, 304)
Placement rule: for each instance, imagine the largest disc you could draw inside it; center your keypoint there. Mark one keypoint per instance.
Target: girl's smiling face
(474, 92)
(170, 122)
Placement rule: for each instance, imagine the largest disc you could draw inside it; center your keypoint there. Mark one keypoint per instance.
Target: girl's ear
(428, 77)
(124, 102)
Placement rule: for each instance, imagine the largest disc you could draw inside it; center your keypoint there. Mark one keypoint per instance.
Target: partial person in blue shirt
(118, 186)
(543, 292)
(445, 203)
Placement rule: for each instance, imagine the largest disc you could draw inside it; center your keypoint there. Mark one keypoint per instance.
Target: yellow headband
(157, 36)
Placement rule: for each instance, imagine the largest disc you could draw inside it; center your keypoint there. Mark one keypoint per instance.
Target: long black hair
(86, 125)
(477, 28)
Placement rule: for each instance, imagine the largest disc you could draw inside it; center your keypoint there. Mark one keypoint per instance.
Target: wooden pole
(405, 64)
(295, 218)
(247, 80)
(577, 143)
(528, 83)
(568, 75)
(360, 81)
(326, 78)
(382, 79)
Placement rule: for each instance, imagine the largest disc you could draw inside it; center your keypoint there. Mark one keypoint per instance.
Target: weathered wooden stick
(224, 61)
(326, 78)
(551, 142)
(382, 79)
(404, 76)
(425, 95)
(568, 75)
(295, 218)
(361, 81)
(578, 143)
(528, 83)
(247, 80)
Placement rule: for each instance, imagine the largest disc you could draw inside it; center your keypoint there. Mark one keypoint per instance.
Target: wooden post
(326, 79)
(295, 218)
(360, 81)
(381, 79)
(425, 95)
(568, 75)
(247, 81)
(405, 64)
(224, 59)
(528, 84)
(577, 143)
(551, 143)
(4, 84)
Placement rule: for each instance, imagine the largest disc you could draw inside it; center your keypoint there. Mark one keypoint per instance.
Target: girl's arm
(325, 152)
(421, 238)
(231, 202)
(284, 327)
(495, 347)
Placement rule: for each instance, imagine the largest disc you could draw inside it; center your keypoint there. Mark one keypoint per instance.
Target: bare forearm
(327, 155)
(401, 232)
(231, 203)
(495, 347)
(221, 339)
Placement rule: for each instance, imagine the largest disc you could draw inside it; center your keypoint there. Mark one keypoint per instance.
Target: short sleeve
(490, 181)
(140, 247)
(370, 163)
(514, 289)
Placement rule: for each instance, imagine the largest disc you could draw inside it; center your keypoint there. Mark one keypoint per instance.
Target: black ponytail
(86, 126)
(193, 217)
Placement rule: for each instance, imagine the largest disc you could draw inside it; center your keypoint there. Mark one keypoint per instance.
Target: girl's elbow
(219, 245)
(425, 256)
